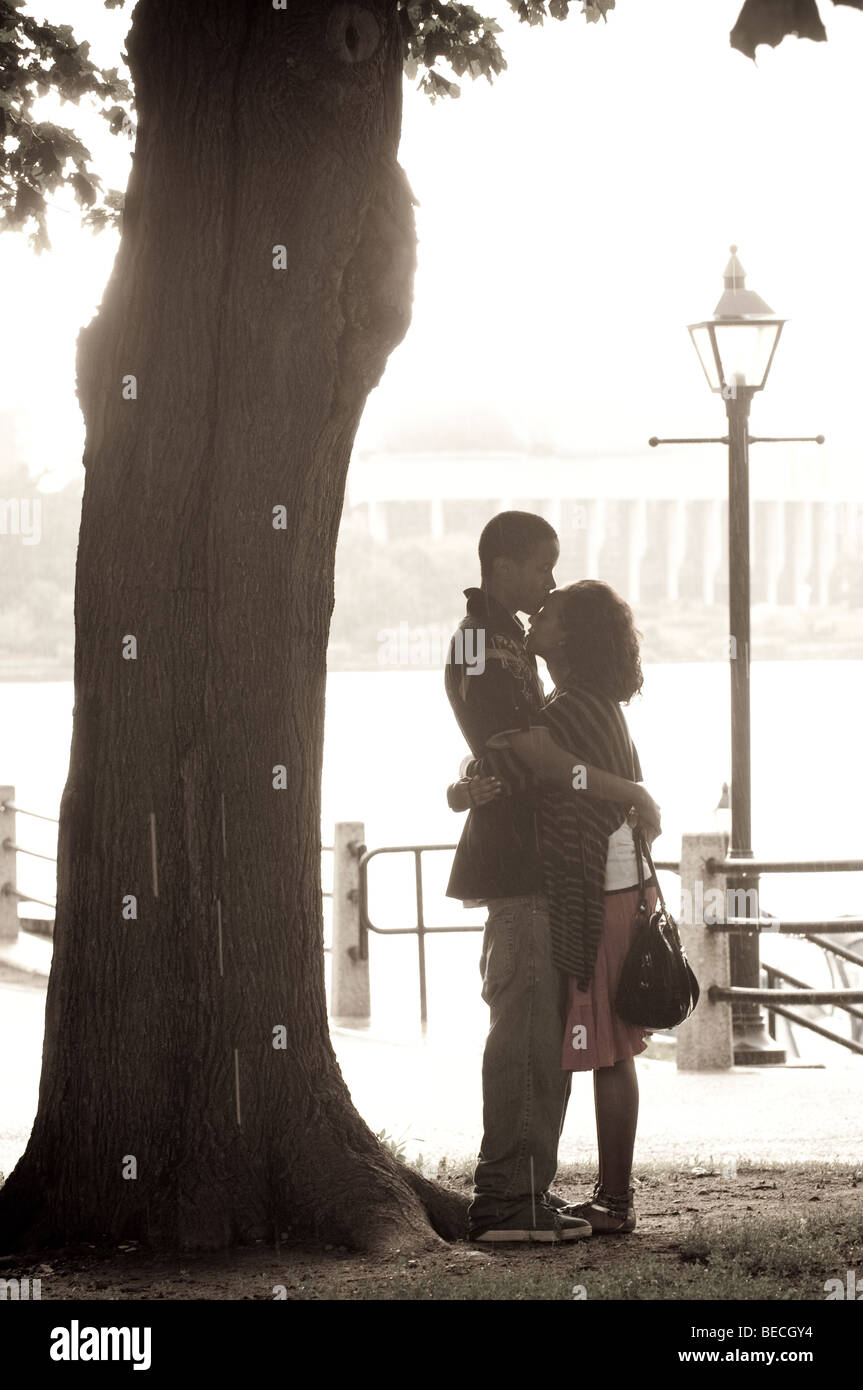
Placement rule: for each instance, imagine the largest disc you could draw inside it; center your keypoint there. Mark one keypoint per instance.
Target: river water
(392, 745)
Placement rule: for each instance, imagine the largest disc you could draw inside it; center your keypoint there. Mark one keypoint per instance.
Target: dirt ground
(668, 1256)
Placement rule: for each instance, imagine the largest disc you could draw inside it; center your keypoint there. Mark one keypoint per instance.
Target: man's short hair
(513, 535)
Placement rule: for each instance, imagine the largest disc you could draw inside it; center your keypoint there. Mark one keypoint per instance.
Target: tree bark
(168, 1111)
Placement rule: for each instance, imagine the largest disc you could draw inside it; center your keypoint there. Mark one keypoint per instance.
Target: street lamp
(736, 349)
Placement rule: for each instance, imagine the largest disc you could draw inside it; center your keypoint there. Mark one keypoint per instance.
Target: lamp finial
(737, 302)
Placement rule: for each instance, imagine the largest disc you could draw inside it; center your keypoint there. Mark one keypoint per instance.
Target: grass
(775, 1231)
(811, 1230)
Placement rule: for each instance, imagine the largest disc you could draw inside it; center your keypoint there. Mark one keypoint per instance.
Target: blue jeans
(525, 1090)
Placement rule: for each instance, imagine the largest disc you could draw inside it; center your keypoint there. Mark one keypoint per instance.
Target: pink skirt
(594, 1035)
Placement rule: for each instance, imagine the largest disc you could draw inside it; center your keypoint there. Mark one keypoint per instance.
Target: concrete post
(8, 869)
(704, 1040)
(350, 996)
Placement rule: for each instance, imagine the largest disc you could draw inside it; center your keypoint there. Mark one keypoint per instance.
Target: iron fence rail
(771, 925)
(11, 844)
(37, 815)
(740, 868)
(25, 898)
(799, 993)
(853, 1044)
(843, 998)
(813, 1027)
(789, 996)
(834, 949)
(22, 849)
(421, 930)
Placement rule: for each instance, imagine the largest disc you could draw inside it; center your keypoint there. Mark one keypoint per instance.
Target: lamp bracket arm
(654, 441)
(786, 439)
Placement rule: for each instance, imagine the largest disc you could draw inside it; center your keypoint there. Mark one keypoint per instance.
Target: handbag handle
(642, 847)
(642, 894)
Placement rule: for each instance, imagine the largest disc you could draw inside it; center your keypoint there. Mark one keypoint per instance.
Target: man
(492, 684)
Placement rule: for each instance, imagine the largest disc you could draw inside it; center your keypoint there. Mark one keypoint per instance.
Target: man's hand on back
(472, 791)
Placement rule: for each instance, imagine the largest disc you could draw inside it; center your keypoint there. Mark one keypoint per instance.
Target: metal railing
(421, 930)
(776, 1000)
(800, 992)
(39, 926)
(743, 868)
(44, 926)
(37, 815)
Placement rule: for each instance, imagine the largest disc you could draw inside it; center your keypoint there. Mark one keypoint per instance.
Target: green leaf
(84, 189)
(594, 10)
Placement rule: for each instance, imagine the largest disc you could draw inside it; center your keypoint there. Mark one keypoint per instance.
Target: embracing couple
(553, 793)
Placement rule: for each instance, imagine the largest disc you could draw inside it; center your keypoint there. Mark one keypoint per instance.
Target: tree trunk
(220, 382)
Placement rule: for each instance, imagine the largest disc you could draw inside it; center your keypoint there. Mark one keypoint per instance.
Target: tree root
(446, 1210)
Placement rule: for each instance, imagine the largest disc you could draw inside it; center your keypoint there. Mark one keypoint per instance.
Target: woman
(587, 637)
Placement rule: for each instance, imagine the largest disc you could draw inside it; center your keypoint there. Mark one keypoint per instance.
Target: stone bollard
(704, 1040)
(350, 995)
(8, 869)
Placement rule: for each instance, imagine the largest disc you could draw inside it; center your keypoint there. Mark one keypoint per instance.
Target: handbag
(657, 986)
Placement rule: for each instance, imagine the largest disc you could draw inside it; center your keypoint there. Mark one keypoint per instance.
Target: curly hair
(602, 648)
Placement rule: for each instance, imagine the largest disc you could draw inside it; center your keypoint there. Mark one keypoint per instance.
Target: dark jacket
(493, 685)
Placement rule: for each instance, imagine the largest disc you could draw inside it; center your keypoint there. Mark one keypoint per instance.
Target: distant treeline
(395, 607)
(398, 601)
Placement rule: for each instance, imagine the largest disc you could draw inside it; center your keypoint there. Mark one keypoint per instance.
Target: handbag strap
(642, 894)
(642, 847)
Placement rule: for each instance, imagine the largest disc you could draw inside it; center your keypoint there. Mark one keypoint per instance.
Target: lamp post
(736, 349)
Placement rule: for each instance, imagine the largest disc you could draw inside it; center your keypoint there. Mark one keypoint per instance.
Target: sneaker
(542, 1224)
(607, 1213)
(552, 1200)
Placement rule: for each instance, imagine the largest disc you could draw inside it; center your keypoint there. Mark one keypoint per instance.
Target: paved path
(429, 1093)
(432, 1094)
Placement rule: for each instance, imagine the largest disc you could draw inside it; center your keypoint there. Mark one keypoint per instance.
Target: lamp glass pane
(701, 338)
(744, 349)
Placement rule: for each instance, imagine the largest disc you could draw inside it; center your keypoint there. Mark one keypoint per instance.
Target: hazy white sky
(574, 217)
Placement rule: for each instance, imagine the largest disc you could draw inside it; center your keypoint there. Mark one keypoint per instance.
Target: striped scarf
(575, 827)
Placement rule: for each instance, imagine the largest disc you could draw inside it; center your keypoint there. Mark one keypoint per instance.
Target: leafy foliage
(770, 21)
(457, 34)
(534, 11)
(38, 157)
(442, 42)
(466, 41)
(395, 1146)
